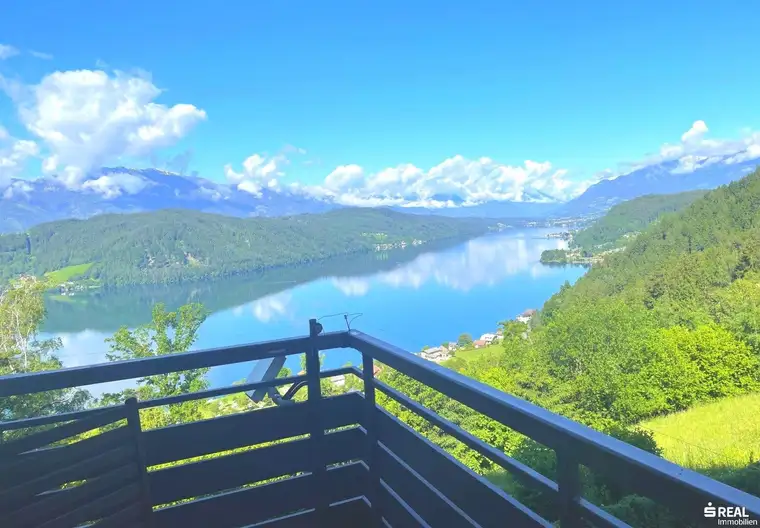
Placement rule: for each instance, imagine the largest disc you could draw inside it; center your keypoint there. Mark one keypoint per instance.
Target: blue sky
(584, 86)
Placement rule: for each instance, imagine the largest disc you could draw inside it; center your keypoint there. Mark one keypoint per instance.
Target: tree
(456, 363)
(512, 330)
(167, 333)
(464, 340)
(22, 310)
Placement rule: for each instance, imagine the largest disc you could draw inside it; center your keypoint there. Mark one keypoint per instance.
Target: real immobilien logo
(729, 515)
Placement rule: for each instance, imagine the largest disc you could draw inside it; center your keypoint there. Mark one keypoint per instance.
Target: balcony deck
(346, 461)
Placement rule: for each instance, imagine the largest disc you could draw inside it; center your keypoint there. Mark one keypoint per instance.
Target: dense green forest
(631, 217)
(668, 325)
(617, 228)
(173, 246)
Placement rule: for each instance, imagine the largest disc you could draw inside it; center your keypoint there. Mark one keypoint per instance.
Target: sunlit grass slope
(62, 275)
(724, 433)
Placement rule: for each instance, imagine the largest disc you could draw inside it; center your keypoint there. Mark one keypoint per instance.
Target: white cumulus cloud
(259, 172)
(462, 181)
(751, 150)
(458, 180)
(695, 150)
(14, 154)
(695, 133)
(455, 180)
(88, 118)
(16, 188)
(115, 184)
(262, 171)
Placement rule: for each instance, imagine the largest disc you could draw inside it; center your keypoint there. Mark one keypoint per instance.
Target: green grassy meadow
(60, 276)
(470, 354)
(724, 433)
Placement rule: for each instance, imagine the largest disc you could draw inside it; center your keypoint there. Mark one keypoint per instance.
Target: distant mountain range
(30, 202)
(662, 178)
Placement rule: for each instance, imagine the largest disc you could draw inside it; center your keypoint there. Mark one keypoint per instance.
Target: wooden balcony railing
(328, 461)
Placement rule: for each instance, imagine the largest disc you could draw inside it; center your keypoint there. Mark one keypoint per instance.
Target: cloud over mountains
(86, 119)
(78, 121)
(460, 181)
(454, 181)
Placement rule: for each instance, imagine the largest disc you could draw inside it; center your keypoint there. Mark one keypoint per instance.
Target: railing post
(133, 422)
(370, 426)
(569, 488)
(316, 428)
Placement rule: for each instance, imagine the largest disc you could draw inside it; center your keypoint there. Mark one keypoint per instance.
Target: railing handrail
(33, 382)
(37, 421)
(589, 447)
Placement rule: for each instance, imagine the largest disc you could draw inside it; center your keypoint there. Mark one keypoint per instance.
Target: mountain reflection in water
(412, 297)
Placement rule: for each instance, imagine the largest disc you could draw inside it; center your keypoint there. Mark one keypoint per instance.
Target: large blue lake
(410, 297)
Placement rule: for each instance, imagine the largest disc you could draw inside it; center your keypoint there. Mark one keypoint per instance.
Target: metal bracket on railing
(268, 369)
(287, 398)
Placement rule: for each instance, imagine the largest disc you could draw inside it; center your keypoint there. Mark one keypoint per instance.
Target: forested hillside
(630, 217)
(177, 245)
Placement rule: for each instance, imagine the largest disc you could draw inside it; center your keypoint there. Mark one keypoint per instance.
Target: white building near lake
(488, 338)
(435, 354)
(526, 316)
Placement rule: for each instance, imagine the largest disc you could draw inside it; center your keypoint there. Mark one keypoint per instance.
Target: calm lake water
(411, 298)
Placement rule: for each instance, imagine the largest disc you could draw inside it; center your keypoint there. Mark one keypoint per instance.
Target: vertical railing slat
(133, 422)
(569, 490)
(370, 425)
(316, 428)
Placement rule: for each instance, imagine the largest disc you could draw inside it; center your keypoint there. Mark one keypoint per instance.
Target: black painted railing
(328, 461)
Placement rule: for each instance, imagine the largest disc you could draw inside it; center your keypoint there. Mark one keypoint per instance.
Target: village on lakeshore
(446, 351)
